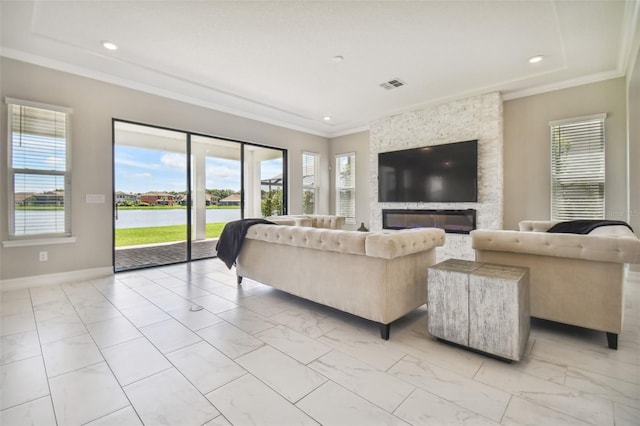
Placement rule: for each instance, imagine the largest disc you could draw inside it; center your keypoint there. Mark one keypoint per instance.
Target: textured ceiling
(272, 61)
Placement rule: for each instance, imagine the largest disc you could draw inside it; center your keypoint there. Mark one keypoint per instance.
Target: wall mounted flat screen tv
(439, 173)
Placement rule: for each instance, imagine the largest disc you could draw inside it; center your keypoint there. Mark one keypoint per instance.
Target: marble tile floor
(126, 350)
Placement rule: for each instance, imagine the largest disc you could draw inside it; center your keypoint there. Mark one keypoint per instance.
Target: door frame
(188, 135)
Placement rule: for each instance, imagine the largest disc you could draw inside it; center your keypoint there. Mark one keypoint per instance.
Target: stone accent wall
(478, 117)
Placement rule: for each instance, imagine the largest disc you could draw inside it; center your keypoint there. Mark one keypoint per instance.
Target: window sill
(38, 242)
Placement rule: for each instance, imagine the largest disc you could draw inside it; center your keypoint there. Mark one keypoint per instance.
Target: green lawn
(160, 234)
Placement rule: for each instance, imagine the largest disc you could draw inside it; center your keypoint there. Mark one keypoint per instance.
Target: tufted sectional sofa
(316, 221)
(380, 276)
(575, 279)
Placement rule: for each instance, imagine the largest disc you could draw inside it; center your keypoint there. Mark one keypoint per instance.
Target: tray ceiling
(276, 61)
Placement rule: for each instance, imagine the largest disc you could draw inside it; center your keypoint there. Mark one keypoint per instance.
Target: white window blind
(310, 187)
(346, 187)
(578, 168)
(38, 170)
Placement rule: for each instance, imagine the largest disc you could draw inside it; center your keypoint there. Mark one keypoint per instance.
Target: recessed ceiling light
(535, 59)
(109, 45)
(337, 59)
(326, 118)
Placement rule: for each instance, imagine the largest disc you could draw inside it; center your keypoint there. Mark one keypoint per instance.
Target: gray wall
(94, 104)
(358, 143)
(527, 186)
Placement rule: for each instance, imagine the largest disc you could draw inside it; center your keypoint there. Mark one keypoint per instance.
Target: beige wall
(633, 114)
(527, 186)
(358, 143)
(526, 154)
(527, 151)
(94, 105)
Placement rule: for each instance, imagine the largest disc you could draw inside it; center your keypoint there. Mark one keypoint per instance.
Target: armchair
(574, 279)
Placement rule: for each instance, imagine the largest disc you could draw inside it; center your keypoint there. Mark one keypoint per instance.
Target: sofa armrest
(389, 245)
(609, 248)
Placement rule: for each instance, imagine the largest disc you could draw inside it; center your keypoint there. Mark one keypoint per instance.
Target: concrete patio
(135, 257)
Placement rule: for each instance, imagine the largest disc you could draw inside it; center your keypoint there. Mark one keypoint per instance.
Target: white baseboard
(52, 279)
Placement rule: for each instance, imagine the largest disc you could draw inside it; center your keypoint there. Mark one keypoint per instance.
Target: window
(346, 187)
(577, 168)
(40, 180)
(310, 188)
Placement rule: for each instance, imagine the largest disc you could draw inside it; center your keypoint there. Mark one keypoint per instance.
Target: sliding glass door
(264, 181)
(216, 175)
(174, 191)
(150, 210)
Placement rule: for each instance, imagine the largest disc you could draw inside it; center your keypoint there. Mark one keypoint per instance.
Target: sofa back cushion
(389, 245)
(536, 225)
(386, 245)
(327, 221)
(352, 242)
(616, 248)
(315, 221)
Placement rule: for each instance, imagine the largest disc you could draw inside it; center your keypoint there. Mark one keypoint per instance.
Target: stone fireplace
(478, 117)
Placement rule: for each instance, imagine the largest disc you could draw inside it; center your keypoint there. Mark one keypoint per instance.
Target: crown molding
(566, 84)
(106, 78)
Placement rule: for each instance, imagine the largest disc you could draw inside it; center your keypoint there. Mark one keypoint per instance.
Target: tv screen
(439, 173)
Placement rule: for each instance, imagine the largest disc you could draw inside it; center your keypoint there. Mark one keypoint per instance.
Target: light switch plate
(95, 198)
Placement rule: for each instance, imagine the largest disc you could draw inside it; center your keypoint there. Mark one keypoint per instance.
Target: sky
(139, 170)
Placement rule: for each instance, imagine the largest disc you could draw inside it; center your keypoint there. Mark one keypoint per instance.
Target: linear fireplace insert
(452, 221)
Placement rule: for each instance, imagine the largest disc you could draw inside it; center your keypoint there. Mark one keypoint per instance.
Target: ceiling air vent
(393, 84)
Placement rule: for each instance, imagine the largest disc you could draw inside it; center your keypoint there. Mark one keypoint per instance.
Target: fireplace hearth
(452, 221)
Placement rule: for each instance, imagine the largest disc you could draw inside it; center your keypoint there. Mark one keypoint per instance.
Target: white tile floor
(126, 350)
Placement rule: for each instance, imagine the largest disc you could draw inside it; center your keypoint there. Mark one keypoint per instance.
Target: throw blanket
(584, 226)
(232, 237)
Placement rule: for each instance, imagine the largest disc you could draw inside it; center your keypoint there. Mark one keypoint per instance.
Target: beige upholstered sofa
(380, 276)
(575, 279)
(315, 221)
